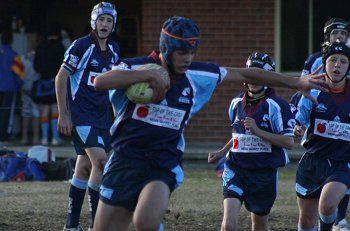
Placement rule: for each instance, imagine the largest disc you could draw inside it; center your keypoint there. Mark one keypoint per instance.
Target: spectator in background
(47, 62)
(11, 81)
(66, 37)
(30, 110)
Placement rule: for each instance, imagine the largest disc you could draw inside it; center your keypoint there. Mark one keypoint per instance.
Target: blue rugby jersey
(328, 124)
(154, 132)
(84, 60)
(271, 114)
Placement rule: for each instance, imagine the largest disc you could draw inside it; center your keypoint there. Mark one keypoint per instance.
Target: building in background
(231, 29)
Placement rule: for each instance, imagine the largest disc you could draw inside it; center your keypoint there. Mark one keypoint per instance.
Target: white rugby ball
(141, 92)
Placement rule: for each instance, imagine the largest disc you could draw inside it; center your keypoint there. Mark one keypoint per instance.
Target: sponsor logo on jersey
(264, 125)
(321, 108)
(94, 63)
(184, 100)
(291, 123)
(266, 117)
(186, 91)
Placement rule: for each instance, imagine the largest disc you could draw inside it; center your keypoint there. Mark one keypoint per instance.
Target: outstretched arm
(262, 77)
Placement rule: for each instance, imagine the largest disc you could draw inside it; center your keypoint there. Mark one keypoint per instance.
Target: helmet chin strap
(263, 88)
(335, 81)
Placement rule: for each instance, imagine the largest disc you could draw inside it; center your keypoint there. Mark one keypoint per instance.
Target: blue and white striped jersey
(271, 114)
(85, 60)
(328, 124)
(154, 132)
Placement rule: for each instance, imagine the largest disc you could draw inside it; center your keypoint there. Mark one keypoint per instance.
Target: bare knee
(142, 225)
(327, 208)
(82, 169)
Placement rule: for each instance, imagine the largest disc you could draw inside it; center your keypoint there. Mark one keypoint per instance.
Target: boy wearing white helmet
(148, 140)
(88, 115)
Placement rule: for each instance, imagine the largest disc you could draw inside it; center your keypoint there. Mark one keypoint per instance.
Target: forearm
(61, 91)
(276, 139)
(261, 77)
(119, 79)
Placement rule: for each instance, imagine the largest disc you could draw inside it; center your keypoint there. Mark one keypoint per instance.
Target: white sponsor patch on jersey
(332, 129)
(159, 115)
(249, 144)
(73, 61)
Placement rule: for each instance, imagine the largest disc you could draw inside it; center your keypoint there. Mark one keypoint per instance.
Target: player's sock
(342, 207)
(76, 198)
(94, 195)
(326, 222)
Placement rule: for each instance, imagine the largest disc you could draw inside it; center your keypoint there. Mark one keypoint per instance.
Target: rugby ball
(142, 93)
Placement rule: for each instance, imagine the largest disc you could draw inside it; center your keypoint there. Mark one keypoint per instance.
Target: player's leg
(232, 207)
(151, 207)
(308, 213)
(259, 223)
(111, 218)
(331, 195)
(77, 191)
(341, 223)
(98, 158)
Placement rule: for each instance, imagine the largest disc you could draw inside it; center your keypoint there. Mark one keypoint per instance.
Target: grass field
(195, 206)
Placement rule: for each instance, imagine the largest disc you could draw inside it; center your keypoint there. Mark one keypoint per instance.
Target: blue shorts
(89, 137)
(257, 188)
(314, 172)
(124, 178)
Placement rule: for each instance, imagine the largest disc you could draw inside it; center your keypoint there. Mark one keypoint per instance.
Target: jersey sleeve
(73, 56)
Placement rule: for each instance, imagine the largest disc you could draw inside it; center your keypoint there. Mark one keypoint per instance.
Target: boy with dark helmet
(322, 178)
(262, 130)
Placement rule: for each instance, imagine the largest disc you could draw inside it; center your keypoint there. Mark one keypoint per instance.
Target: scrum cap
(100, 9)
(334, 24)
(178, 33)
(261, 60)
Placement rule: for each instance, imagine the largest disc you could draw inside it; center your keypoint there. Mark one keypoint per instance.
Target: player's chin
(180, 70)
(103, 35)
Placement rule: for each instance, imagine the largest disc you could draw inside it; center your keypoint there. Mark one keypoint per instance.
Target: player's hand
(213, 157)
(299, 131)
(250, 124)
(160, 83)
(308, 82)
(64, 124)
